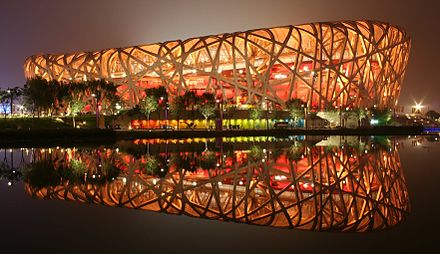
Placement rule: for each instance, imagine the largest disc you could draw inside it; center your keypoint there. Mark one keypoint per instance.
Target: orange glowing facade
(326, 64)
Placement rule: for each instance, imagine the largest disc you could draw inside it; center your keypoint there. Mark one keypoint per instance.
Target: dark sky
(28, 27)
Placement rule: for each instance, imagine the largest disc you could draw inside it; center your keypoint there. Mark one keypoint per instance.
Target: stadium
(328, 65)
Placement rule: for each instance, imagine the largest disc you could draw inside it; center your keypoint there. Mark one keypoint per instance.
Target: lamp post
(167, 107)
(163, 101)
(96, 96)
(268, 112)
(220, 109)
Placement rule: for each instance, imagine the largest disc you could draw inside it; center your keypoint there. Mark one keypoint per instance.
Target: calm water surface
(237, 195)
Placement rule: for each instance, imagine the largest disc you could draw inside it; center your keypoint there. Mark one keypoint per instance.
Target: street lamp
(118, 107)
(268, 111)
(163, 101)
(305, 114)
(220, 110)
(96, 96)
(417, 109)
(167, 107)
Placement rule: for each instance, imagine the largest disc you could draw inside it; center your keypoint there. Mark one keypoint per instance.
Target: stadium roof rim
(371, 21)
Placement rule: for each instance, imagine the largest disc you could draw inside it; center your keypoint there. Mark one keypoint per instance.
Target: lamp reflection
(293, 184)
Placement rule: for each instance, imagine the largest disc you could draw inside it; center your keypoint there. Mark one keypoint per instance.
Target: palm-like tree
(14, 93)
(4, 99)
(8, 96)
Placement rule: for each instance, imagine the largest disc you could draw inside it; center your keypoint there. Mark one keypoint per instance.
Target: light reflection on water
(330, 184)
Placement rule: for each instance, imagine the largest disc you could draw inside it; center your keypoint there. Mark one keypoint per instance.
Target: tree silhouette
(177, 108)
(38, 93)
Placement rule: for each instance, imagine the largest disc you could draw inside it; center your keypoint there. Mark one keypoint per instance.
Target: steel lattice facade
(327, 65)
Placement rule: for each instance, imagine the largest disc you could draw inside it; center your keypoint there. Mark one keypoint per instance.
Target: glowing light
(418, 107)
(280, 76)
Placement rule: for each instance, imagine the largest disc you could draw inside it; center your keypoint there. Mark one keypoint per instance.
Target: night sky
(29, 27)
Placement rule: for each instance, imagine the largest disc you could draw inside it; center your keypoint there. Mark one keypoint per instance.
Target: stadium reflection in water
(319, 185)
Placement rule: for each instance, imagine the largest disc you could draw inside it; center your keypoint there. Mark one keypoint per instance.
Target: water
(239, 195)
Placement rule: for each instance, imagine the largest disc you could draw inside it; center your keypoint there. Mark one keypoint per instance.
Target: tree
(76, 105)
(14, 93)
(103, 94)
(255, 113)
(361, 114)
(4, 100)
(206, 106)
(295, 151)
(231, 111)
(296, 109)
(191, 99)
(104, 90)
(74, 99)
(147, 105)
(108, 95)
(207, 110)
(38, 93)
(151, 165)
(41, 173)
(158, 93)
(177, 108)
(381, 116)
(433, 114)
(256, 153)
(61, 95)
(8, 96)
(208, 160)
